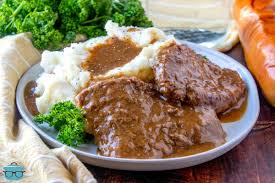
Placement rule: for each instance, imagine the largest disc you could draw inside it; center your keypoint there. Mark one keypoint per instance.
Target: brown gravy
(194, 149)
(129, 119)
(109, 55)
(133, 29)
(182, 74)
(235, 113)
(29, 97)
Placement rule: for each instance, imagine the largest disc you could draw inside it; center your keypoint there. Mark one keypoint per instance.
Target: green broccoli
(68, 120)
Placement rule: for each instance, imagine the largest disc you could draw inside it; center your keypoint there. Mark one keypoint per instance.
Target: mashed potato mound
(63, 76)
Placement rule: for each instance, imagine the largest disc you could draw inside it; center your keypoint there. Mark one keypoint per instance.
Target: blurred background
(208, 22)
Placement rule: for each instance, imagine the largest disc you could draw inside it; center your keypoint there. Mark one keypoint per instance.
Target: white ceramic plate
(236, 131)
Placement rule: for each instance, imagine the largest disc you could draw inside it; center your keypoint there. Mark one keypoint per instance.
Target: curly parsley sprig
(68, 120)
(55, 23)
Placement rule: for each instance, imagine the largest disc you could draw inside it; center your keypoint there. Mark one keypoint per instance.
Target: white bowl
(236, 131)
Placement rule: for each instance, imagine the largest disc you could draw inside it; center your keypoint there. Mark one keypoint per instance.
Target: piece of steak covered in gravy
(181, 74)
(130, 119)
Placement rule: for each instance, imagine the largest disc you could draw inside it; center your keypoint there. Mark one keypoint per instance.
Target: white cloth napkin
(18, 142)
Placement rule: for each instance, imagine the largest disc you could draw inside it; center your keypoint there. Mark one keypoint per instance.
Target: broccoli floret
(68, 120)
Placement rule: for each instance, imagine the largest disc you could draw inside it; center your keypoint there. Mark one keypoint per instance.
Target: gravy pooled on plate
(29, 97)
(235, 113)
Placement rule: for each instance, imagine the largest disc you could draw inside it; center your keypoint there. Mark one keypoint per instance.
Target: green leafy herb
(43, 31)
(102, 7)
(55, 23)
(119, 18)
(133, 13)
(68, 120)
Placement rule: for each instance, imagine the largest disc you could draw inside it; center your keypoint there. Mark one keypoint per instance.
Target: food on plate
(66, 71)
(121, 51)
(139, 93)
(235, 113)
(181, 74)
(30, 98)
(55, 23)
(130, 119)
(256, 22)
(68, 120)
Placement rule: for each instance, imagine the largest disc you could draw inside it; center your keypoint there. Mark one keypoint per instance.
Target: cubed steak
(181, 74)
(129, 119)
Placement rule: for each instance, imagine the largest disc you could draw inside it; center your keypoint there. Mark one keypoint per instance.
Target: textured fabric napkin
(18, 142)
